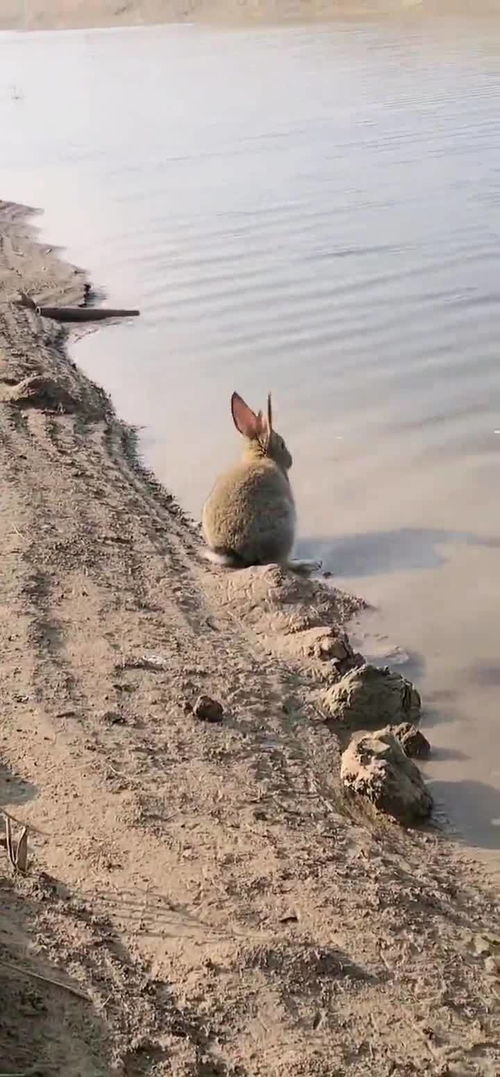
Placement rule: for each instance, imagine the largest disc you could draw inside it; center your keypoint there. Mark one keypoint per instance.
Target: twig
(8, 841)
(33, 1071)
(22, 852)
(35, 829)
(46, 979)
(16, 852)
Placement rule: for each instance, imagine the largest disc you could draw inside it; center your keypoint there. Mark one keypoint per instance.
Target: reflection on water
(315, 211)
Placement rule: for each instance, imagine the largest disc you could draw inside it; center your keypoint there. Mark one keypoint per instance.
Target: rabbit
(249, 517)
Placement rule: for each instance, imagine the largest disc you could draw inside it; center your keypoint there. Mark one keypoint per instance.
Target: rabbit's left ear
(245, 420)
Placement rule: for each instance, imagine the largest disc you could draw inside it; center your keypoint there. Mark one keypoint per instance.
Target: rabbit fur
(249, 517)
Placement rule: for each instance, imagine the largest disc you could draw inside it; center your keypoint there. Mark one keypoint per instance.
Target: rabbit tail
(224, 558)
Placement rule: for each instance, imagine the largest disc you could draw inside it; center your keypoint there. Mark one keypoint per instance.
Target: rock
(370, 698)
(375, 766)
(208, 709)
(412, 741)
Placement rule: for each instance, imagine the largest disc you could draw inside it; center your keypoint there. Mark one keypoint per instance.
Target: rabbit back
(249, 517)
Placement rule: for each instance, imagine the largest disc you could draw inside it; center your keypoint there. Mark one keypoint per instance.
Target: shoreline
(72, 14)
(206, 888)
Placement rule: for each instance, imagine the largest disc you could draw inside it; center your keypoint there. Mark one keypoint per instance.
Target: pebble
(208, 709)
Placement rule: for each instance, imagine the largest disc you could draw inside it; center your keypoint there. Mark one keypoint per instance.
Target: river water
(316, 211)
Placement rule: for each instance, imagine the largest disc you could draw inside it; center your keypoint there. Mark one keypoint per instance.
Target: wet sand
(198, 890)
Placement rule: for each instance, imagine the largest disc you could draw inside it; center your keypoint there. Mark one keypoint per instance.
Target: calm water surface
(315, 211)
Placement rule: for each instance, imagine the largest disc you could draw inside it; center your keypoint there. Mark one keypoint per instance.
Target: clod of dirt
(492, 966)
(375, 766)
(371, 698)
(481, 946)
(326, 644)
(412, 741)
(330, 646)
(38, 391)
(208, 709)
(276, 600)
(113, 718)
(154, 662)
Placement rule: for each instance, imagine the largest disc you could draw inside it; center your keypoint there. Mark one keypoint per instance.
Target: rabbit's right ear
(245, 420)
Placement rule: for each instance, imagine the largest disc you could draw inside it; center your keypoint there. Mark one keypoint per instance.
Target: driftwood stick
(75, 314)
(84, 314)
(45, 979)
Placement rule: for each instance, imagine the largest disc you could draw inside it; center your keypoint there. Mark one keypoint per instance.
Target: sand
(64, 14)
(205, 898)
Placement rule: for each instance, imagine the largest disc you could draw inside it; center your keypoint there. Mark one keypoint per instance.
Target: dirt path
(204, 886)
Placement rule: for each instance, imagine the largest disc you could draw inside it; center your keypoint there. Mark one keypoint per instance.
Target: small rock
(374, 765)
(154, 662)
(481, 945)
(113, 718)
(492, 966)
(208, 709)
(412, 741)
(371, 698)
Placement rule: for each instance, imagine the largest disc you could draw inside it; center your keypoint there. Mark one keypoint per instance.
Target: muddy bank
(202, 893)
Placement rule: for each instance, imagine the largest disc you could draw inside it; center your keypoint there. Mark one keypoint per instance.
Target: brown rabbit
(249, 517)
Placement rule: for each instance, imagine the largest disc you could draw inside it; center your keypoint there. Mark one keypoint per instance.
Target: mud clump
(39, 391)
(412, 741)
(375, 766)
(328, 645)
(295, 617)
(274, 596)
(371, 698)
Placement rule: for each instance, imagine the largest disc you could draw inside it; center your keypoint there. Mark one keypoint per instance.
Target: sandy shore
(50, 14)
(205, 897)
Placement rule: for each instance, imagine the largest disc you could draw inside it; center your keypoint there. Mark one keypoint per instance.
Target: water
(314, 211)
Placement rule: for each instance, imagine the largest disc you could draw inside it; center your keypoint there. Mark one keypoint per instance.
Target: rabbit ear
(266, 425)
(245, 420)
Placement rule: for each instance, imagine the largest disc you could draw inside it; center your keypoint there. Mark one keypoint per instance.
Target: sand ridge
(213, 903)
